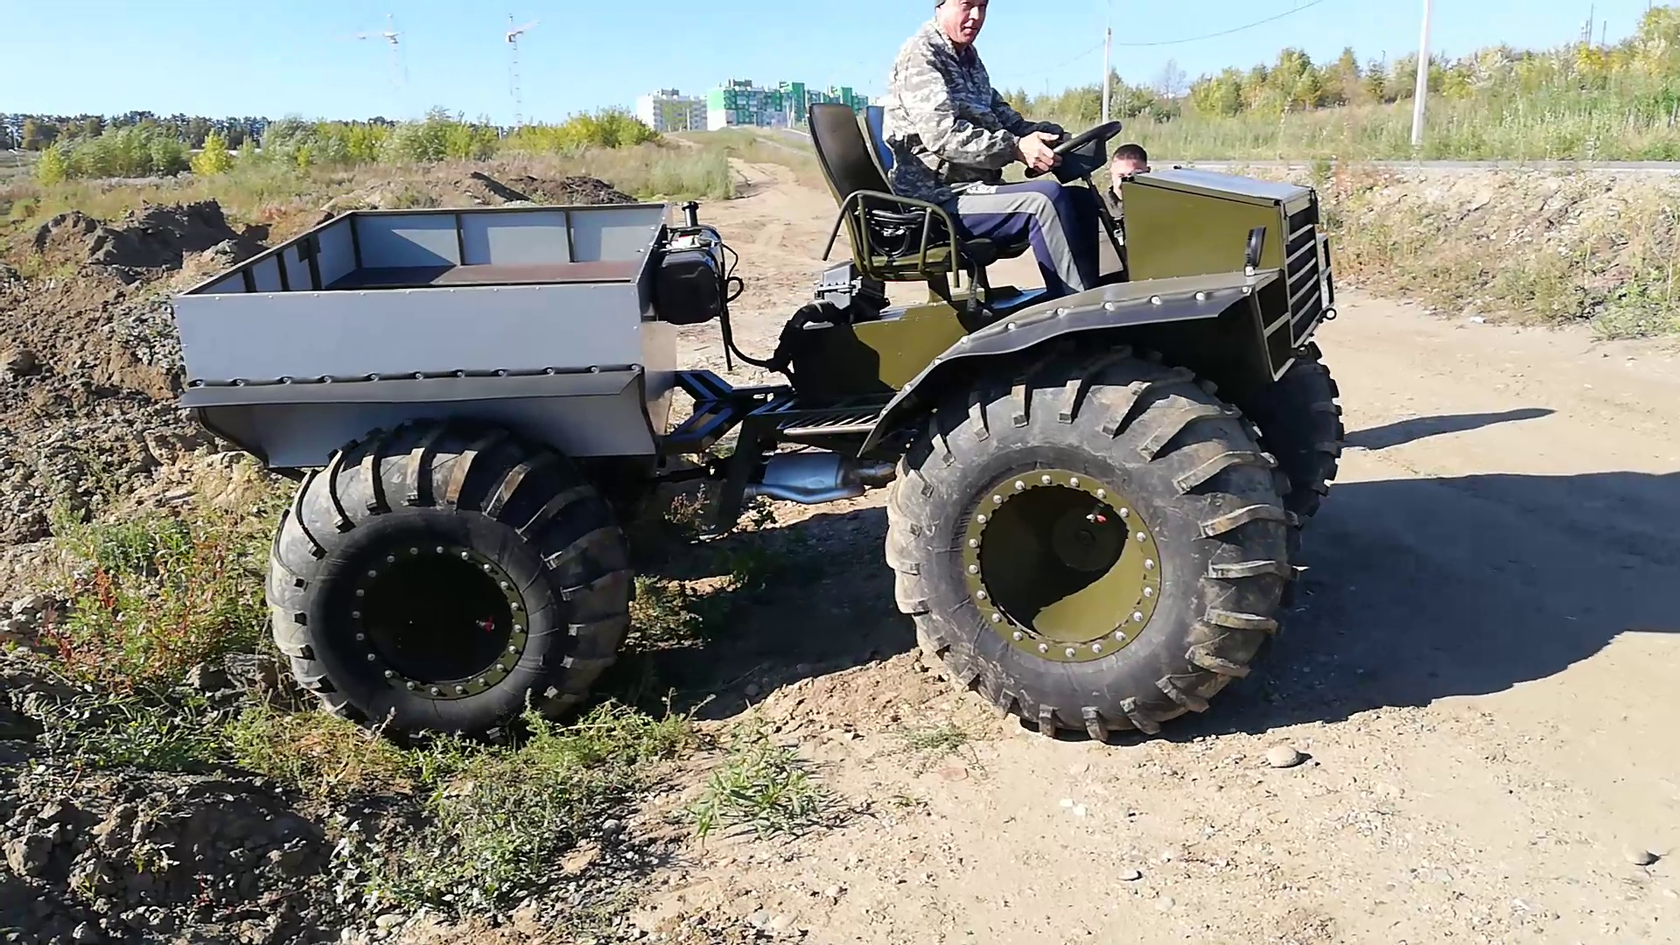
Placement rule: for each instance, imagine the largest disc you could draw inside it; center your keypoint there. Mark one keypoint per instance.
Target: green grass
(761, 787)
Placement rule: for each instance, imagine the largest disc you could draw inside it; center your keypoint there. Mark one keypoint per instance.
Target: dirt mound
(90, 361)
(525, 188)
(154, 237)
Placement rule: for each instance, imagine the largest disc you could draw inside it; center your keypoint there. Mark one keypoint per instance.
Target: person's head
(960, 20)
(1128, 159)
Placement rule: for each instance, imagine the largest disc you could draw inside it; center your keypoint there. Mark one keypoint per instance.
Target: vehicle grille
(1307, 271)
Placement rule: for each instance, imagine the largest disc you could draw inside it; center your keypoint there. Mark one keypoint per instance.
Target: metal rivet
(1149, 564)
(997, 500)
(997, 618)
(1071, 652)
(1019, 485)
(1154, 300)
(1044, 479)
(1110, 306)
(414, 551)
(370, 658)
(1201, 296)
(361, 637)
(1102, 493)
(1124, 513)
(390, 674)
(974, 543)
(513, 649)
(514, 605)
(436, 691)
(360, 592)
(482, 682)
(486, 569)
(973, 569)
(1009, 327)
(980, 594)
(1074, 482)
(1142, 537)
(465, 556)
(518, 628)
(1096, 648)
(355, 615)
(372, 573)
(390, 559)
(1120, 635)
(1019, 636)
(501, 668)
(1137, 616)
(460, 690)
(1044, 648)
(1149, 592)
(439, 549)
(506, 585)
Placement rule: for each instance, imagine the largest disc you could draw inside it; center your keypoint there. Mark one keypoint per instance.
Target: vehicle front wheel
(1100, 546)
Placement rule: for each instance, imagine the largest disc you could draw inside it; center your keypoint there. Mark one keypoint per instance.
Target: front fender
(1128, 304)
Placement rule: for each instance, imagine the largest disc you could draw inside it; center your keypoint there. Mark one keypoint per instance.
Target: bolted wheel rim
(1061, 566)
(440, 621)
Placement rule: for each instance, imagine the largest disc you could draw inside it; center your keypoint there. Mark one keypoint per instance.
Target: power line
(1192, 39)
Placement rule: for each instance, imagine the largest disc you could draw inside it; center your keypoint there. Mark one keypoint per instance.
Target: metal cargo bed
(539, 318)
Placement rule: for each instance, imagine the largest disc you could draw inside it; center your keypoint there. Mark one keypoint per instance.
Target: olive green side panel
(911, 342)
(1173, 233)
(874, 356)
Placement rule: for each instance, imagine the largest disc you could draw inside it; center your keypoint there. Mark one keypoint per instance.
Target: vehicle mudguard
(1122, 305)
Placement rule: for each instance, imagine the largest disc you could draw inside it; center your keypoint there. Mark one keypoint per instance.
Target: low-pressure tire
(1100, 546)
(1301, 424)
(440, 577)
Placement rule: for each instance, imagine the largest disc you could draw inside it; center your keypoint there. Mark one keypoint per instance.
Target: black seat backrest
(843, 151)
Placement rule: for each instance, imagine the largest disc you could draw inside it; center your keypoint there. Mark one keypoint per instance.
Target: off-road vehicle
(1092, 499)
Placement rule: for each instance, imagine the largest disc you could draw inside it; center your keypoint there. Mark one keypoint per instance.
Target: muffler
(813, 478)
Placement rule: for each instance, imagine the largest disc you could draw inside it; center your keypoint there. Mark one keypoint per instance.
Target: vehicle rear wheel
(436, 577)
(1100, 547)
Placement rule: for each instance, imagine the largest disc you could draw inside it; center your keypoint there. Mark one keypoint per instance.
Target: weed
(761, 786)
(499, 820)
(316, 752)
(931, 744)
(136, 732)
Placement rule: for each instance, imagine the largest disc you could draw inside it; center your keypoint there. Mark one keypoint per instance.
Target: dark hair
(1131, 152)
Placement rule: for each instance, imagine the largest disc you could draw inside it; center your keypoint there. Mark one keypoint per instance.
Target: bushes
(604, 129)
(144, 150)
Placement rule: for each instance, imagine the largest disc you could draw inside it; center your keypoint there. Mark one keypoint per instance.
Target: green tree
(214, 158)
(52, 167)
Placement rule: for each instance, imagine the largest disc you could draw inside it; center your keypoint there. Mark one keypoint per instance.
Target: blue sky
(273, 59)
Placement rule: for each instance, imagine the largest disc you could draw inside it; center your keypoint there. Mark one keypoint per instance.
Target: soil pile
(524, 188)
(152, 238)
(90, 361)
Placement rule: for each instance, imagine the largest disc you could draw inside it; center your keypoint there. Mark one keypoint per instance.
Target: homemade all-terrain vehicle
(1093, 499)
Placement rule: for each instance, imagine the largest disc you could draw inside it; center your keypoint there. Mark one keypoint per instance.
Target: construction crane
(399, 75)
(513, 34)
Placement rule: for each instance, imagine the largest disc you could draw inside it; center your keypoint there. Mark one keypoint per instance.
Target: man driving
(952, 134)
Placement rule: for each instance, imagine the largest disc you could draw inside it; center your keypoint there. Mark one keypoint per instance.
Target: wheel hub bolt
(390, 559)
(980, 594)
(1125, 513)
(1070, 651)
(1096, 648)
(1044, 648)
(370, 658)
(1074, 482)
(1137, 616)
(974, 543)
(1102, 493)
(997, 618)
(436, 691)
(460, 690)
(390, 674)
(412, 687)
(1019, 636)
(980, 518)
(1149, 564)
(1149, 592)
(1019, 485)
(513, 649)
(1044, 479)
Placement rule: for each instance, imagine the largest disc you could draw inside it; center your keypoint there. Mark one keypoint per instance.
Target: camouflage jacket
(944, 123)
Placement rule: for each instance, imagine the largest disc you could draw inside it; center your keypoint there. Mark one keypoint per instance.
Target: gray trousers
(1060, 223)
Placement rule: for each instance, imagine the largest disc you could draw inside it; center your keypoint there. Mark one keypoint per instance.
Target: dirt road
(1481, 669)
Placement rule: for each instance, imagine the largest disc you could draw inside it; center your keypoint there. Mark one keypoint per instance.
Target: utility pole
(1422, 90)
(1108, 44)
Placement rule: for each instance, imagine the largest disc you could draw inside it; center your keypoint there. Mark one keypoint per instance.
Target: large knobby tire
(1141, 454)
(1301, 424)
(441, 577)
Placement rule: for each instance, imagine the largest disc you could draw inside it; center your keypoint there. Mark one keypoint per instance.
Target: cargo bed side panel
(393, 332)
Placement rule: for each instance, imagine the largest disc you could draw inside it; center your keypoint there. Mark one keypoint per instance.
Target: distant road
(1636, 167)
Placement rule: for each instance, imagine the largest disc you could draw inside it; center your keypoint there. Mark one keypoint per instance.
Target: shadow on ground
(1408, 431)
(1416, 590)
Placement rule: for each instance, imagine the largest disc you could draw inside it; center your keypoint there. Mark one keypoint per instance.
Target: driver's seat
(893, 238)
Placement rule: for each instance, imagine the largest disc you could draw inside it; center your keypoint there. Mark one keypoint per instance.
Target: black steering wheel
(1081, 155)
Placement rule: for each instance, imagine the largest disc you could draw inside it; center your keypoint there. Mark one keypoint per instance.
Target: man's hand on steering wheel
(1036, 151)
